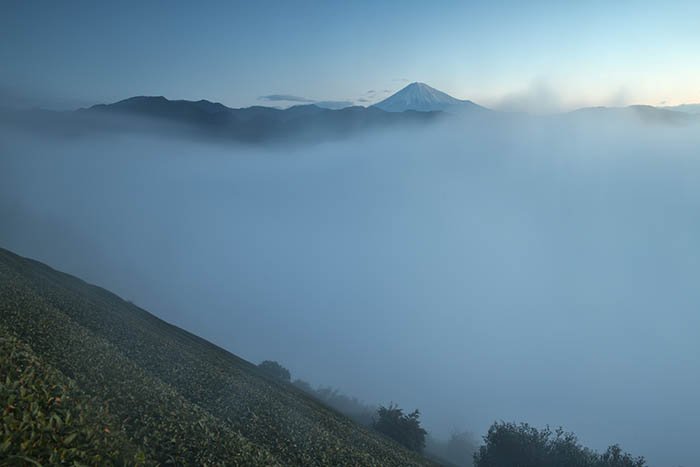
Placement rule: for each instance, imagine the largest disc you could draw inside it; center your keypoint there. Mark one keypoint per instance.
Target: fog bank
(538, 270)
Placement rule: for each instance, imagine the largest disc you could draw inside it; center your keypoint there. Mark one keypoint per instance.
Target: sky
(532, 56)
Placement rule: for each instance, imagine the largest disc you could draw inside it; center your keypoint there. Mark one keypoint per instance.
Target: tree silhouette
(403, 428)
(508, 444)
(274, 369)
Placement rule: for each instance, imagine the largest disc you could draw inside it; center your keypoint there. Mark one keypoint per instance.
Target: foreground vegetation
(508, 444)
(505, 444)
(89, 379)
(140, 391)
(45, 416)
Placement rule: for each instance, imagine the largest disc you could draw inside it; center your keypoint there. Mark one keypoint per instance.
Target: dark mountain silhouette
(210, 120)
(254, 124)
(160, 107)
(415, 105)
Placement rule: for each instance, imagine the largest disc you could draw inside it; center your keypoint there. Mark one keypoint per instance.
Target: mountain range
(214, 121)
(415, 104)
(644, 113)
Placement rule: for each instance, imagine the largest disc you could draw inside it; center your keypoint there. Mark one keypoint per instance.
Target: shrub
(402, 428)
(508, 444)
(275, 370)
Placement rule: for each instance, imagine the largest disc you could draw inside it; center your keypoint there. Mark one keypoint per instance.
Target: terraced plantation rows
(45, 416)
(162, 394)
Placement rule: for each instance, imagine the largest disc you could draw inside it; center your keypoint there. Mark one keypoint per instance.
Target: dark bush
(508, 444)
(275, 370)
(403, 428)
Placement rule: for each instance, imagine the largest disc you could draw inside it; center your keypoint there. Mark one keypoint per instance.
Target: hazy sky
(520, 55)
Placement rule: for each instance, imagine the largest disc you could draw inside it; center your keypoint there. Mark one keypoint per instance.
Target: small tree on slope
(403, 428)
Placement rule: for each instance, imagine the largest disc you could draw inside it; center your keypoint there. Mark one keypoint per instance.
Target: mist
(525, 269)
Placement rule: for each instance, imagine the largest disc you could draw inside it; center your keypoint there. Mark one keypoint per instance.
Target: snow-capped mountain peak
(421, 97)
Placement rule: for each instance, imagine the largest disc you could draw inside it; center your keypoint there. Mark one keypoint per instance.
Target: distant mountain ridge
(415, 105)
(645, 113)
(211, 120)
(255, 124)
(423, 98)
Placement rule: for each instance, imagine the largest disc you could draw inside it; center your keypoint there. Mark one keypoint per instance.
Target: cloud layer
(520, 269)
(304, 100)
(285, 97)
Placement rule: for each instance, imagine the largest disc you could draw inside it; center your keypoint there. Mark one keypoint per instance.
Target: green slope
(141, 391)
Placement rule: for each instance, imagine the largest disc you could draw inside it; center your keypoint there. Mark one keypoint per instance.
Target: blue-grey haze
(528, 270)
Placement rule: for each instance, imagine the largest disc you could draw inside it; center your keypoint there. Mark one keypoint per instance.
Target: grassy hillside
(89, 378)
